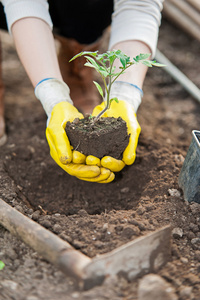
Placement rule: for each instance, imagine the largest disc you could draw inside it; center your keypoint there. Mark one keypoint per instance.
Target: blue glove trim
(43, 80)
(137, 87)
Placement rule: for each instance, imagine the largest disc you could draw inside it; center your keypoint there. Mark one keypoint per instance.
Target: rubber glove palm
(73, 162)
(124, 110)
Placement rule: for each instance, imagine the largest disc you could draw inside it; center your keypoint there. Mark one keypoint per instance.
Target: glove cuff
(51, 91)
(128, 92)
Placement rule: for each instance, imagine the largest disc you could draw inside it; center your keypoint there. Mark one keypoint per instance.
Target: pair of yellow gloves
(90, 168)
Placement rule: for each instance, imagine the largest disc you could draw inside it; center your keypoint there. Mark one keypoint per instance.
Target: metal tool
(138, 257)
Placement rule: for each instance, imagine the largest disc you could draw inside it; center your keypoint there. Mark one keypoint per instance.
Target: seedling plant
(104, 136)
(104, 65)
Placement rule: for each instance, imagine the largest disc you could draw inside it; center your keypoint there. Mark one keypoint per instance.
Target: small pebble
(177, 232)
(46, 223)
(9, 284)
(192, 278)
(125, 190)
(195, 241)
(99, 245)
(184, 260)
(30, 211)
(57, 215)
(105, 226)
(82, 212)
(174, 193)
(154, 287)
(197, 255)
(194, 227)
(185, 292)
(19, 208)
(140, 225)
(179, 158)
(195, 208)
(38, 275)
(75, 295)
(57, 228)
(76, 121)
(128, 232)
(78, 244)
(141, 210)
(190, 235)
(150, 207)
(11, 254)
(175, 251)
(65, 237)
(35, 215)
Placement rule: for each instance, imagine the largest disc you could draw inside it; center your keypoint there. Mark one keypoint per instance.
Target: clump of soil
(106, 136)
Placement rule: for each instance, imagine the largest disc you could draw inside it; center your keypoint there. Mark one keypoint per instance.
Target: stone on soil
(154, 287)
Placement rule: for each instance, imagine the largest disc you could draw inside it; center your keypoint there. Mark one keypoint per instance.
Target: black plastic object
(189, 178)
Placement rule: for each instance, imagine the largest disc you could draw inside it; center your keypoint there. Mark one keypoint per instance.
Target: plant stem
(108, 94)
(101, 113)
(120, 73)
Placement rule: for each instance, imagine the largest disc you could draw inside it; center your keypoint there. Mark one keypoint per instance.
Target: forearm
(128, 86)
(135, 74)
(134, 30)
(35, 46)
(136, 20)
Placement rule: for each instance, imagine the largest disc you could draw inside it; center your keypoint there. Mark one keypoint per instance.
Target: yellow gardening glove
(73, 162)
(124, 110)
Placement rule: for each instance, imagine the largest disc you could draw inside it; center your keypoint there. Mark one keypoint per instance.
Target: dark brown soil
(96, 218)
(106, 136)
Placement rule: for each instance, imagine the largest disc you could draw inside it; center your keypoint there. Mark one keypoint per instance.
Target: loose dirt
(97, 218)
(106, 136)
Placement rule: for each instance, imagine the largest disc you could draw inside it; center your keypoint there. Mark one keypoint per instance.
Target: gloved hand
(73, 162)
(125, 110)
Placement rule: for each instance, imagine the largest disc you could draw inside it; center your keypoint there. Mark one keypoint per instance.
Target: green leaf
(102, 56)
(2, 265)
(88, 64)
(147, 63)
(111, 56)
(141, 56)
(92, 61)
(84, 53)
(114, 99)
(99, 88)
(151, 63)
(156, 64)
(103, 71)
(117, 52)
(93, 64)
(123, 62)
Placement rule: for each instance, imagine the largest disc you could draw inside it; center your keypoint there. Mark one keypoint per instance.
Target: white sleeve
(136, 20)
(19, 9)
